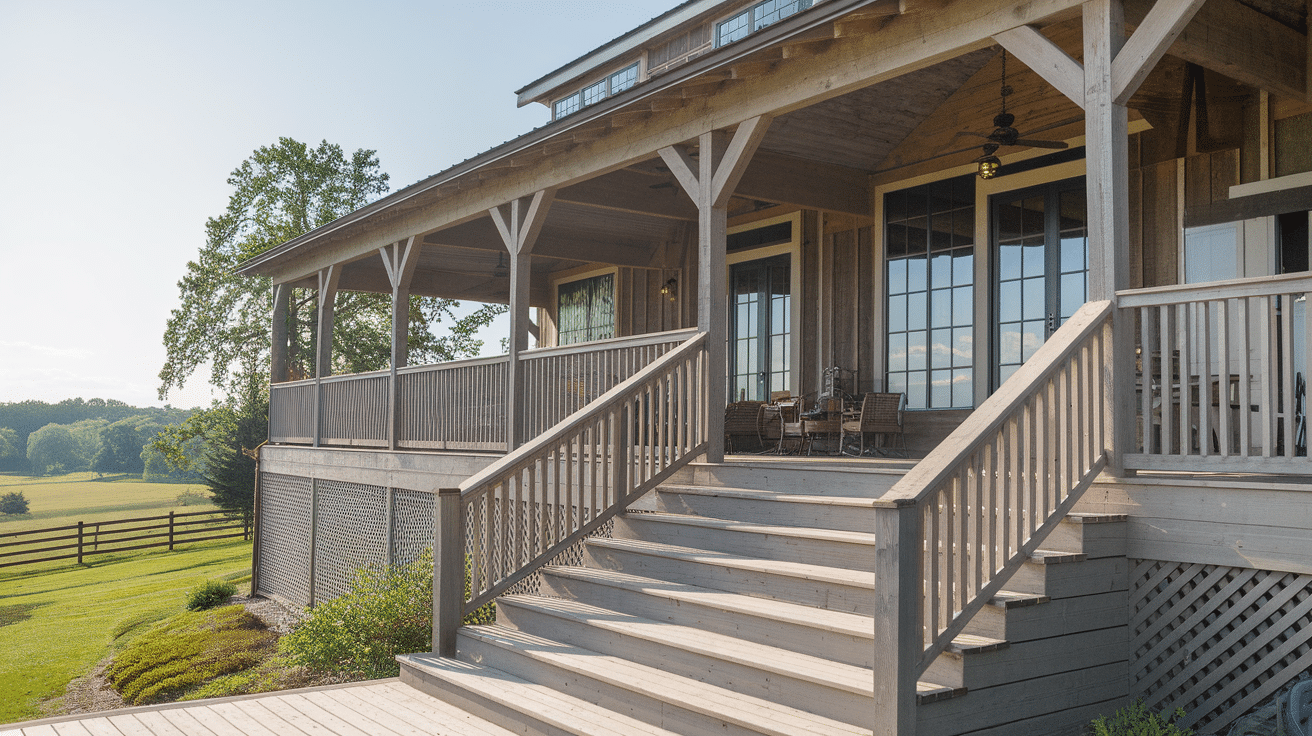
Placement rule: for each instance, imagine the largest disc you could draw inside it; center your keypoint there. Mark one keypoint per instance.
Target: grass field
(55, 625)
(67, 499)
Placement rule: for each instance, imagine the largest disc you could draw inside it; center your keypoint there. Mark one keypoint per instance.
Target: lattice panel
(1216, 640)
(412, 525)
(571, 556)
(351, 534)
(284, 564)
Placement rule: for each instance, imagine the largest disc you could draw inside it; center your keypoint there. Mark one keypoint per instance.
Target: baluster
(1224, 368)
(1204, 313)
(1166, 405)
(1006, 479)
(1287, 370)
(1266, 334)
(1307, 370)
(950, 545)
(933, 555)
(1242, 323)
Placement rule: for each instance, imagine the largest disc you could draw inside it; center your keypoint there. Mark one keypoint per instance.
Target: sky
(120, 122)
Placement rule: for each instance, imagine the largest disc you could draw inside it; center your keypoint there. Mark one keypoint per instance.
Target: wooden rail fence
(87, 538)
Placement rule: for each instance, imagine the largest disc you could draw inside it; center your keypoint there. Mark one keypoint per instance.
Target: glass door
(1041, 247)
(760, 328)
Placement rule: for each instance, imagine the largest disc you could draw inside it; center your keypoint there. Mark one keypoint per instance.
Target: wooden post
(519, 222)
(721, 163)
(171, 520)
(324, 350)
(80, 537)
(255, 528)
(448, 570)
(390, 551)
(899, 623)
(278, 363)
(314, 534)
(399, 260)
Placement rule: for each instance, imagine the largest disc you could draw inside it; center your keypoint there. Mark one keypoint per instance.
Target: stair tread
(759, 495)
(563, 711)
(971, 644)
(800, 570)
(1054, 557)
(1010, 599)
(800, 532)
(773, 659)
(1083, 518)
(748, 711)
(852, 624)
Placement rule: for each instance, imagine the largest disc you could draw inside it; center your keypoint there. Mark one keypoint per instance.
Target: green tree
(120, 447)
(8, 444)
(52, 450)
(281, 192)
(227, 436)
(13, 503)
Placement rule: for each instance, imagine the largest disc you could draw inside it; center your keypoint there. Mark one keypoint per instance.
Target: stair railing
(504, 523)
(954, 529)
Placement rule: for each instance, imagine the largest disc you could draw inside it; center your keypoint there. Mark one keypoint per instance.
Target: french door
(1041, 265)
(760, 328)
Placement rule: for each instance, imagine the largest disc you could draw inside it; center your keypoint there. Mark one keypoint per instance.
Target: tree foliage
(281, 192)
(13, 503)
(22, 418)
(8, 444)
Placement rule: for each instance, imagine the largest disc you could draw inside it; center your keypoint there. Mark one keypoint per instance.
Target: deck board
(377, 708)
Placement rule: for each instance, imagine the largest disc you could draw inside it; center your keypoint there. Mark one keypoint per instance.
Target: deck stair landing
(736, 599)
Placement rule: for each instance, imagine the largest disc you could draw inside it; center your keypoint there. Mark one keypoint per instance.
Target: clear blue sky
(119, 123)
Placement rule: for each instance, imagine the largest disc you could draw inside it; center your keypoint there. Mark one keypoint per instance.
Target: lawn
(67, 499)
(55, 625)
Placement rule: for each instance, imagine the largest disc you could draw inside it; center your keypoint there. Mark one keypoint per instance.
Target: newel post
(899, 637)
(448, 570)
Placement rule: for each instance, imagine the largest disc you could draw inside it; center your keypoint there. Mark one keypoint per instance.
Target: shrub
(209, 594)
(191, 498)
(1136, 720)
(187, 651)
(387, 612)
(13, 502)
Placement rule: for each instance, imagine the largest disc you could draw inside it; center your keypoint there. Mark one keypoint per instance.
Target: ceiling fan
(1004, 134)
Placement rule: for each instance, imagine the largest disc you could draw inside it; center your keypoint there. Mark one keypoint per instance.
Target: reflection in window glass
(597, 91)
(594, 94)
(623, 79)
(930, 238)
(733, 29)
(586, 310)
(757, 17)
(566, 106)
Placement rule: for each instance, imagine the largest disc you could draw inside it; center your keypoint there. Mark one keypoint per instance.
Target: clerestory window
(756, 17)
(609, 86)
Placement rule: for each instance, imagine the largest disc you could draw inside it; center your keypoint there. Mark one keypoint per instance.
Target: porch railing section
(459, 405)
(453, 406)
(963, 521)
(504, 523)
(1222, 374)
(560, 381)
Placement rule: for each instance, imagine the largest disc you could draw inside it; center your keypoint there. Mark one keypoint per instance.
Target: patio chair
(881, 413)
(781, 423)
(741, 426)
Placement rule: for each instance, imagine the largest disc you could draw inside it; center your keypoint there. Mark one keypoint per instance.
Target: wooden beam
(681, 164)
(328, 277)
(278, 362)
(729, 170)
(1159, 29)
(630, 191)
(910, 42)
(1046, 59)
(1233, 39)
(783, 179)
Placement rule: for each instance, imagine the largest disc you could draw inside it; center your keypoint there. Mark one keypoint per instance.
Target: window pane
(566, 106)
(963, 306)
(940, 394)
(623, 79)
(963, 389)
(940, 308)
(585, 310)
(595, 93)
(963, 267)
(963, 347)
(940, 348)
(917, 350)
(733, 29)
(940, 270)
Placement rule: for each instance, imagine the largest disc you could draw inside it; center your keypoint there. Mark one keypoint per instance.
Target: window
(586, 310)
(757, 17)
(930, 252)
(597, 91)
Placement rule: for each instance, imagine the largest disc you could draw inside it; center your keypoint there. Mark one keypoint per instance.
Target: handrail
(517, 514)
(1229, 289)
(453, 364)
(650, 338)
(985, 499)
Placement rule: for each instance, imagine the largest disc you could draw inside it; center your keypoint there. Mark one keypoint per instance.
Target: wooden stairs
(736, 599)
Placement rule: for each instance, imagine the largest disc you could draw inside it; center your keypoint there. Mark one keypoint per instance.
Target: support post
(324, 349)
(519, 222)
(899, 635)
(448, 570)
(171, 520)
(314, 536)
(81, 532)
(278, 363)
(710, 182)
(399, 260)
(1107, 139)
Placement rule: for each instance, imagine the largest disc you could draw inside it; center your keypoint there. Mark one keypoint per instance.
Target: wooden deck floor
(376, 708)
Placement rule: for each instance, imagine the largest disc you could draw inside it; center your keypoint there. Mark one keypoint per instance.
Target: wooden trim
(1293, 283)
(444, 366)
(1265, 204)
(1148, 44)
(649, 338)
(1046, 59)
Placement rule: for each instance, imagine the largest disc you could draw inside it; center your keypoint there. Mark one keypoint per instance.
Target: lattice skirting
(1216, 640)
(315, 535)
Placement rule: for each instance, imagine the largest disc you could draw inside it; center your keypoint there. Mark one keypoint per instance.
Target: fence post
(899, 636)
(171, 531)
(391, 520)
(80, 531)
(448, 570)
(314, 533)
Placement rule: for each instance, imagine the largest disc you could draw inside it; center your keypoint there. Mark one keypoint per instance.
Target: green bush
(209, 594)
(1136, 720)
(387, 612)
(188, 651)
(13, 502)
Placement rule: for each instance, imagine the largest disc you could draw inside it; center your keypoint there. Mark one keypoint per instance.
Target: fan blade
(1042, 144)
(977, 135)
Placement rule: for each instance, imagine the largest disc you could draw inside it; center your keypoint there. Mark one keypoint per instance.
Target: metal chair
(790, 424)
(881, 413)
(742, 426)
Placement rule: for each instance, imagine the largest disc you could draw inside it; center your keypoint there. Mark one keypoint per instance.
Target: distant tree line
(106, 436)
